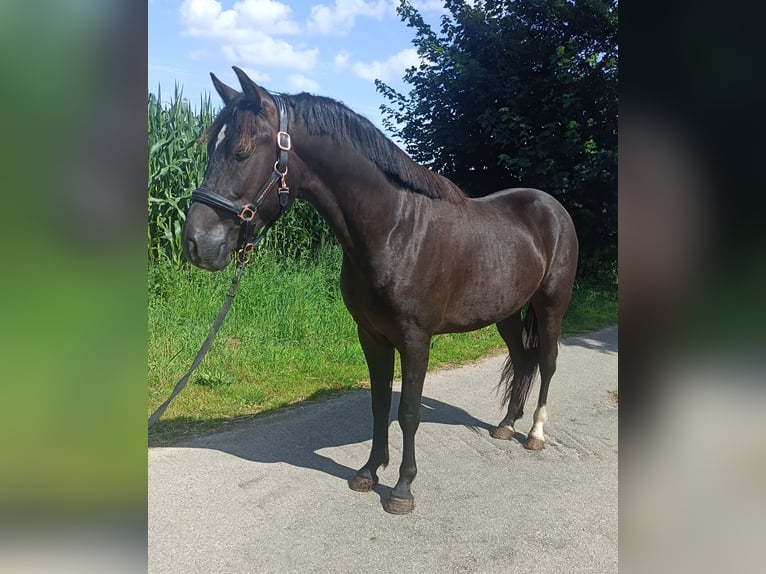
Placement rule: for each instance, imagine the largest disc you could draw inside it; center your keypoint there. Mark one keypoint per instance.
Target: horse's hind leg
(549, 316)
(518, 373)
(380, 362)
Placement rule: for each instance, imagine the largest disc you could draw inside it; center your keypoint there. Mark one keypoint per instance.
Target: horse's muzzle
(206, 250)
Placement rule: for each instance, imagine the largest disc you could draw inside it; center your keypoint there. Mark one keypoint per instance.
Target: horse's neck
(353, 197)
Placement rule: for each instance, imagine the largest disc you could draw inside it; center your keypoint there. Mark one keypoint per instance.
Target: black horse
(419, 257)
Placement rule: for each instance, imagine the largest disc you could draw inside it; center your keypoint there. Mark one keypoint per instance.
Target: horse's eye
(243, 152)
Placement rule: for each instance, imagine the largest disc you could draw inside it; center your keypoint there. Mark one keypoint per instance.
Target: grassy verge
(287, 338)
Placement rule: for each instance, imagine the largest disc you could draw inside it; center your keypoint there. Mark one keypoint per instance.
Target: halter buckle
(283, 141)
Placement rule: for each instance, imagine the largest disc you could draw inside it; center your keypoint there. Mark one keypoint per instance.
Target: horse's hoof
(396, 505)
(502, 433)
(534, 443)
(363, 484)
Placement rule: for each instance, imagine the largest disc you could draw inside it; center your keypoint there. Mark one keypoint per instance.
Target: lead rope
(205, 346)
(242, 258)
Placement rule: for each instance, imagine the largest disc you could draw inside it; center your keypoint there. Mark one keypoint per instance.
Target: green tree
(518, 93)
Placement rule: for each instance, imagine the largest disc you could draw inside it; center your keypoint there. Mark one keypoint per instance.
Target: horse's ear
(249, 87)
(227, 94)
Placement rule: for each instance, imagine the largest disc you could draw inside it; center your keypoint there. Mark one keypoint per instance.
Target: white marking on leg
(541, 417)
(221, 137)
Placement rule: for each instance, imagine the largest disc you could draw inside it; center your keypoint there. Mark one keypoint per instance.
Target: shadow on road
(298, 434)
(604, 341)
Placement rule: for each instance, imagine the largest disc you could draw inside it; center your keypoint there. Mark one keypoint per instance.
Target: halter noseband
(246, 213)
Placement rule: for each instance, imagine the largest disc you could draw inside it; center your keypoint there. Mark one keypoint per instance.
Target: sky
(334, 48)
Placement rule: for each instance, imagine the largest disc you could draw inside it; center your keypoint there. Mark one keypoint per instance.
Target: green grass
(593, 306)
(287, 338)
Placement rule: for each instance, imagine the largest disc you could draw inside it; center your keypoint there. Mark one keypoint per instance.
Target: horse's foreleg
(380, 362)
(414, 365)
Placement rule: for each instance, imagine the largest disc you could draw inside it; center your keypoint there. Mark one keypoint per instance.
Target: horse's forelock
(245, 124)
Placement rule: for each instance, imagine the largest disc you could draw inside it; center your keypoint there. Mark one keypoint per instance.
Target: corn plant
(177, 160)
(299, 234)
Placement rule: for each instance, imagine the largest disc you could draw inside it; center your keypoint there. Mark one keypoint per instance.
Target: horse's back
(529, 208)
(523, 200)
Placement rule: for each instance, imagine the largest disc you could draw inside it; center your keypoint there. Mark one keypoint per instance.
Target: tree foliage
(514, 93)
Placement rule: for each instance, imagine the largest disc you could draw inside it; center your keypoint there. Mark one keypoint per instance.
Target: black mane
(325, 116)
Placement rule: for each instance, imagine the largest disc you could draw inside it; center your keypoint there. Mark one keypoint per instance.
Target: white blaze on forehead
(221, 137)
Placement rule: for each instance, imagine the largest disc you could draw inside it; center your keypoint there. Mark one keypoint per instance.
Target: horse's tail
(517, 378)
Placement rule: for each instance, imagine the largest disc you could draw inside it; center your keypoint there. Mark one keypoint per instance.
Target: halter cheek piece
(246, 213)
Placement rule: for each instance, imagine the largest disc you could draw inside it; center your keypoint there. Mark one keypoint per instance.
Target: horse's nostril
(191, 250)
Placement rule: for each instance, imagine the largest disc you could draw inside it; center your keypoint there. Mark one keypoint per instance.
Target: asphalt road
(270, 494)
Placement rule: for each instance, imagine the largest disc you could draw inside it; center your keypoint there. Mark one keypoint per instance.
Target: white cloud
(393, 67)
(341, 61)
(340, 18)
(267, 15)
(301, 82)
(252, 73)
(207, 18)
(247, 31)
(262, 50)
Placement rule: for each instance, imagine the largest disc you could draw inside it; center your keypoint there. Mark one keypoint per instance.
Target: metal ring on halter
(276, 169)
(247, 213)
(243, 254)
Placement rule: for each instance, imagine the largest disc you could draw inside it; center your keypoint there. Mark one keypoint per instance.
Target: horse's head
(243, 187)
